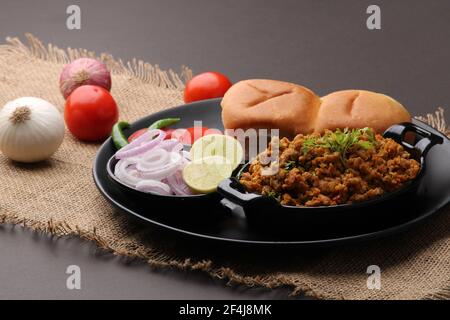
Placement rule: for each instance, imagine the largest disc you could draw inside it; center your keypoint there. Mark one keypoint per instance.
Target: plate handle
(423, 139)
(232, 190)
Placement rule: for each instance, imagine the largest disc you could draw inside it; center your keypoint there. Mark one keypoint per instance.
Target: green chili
(118, 136)
(164, 123)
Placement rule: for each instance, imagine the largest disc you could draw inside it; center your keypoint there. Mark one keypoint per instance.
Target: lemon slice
(204, 175)
(218, 145)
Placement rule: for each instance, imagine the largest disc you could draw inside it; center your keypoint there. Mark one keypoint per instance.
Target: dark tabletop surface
(324, 45)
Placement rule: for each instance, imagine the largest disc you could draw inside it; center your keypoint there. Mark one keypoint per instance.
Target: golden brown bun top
(294, 109)
(270, 104)
(359, 109)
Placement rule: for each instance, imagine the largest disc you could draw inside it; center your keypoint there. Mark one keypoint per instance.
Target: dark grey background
(324, 45)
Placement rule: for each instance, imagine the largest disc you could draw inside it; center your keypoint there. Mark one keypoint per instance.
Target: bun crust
(359, 109)
(270, 104)
(294, 109)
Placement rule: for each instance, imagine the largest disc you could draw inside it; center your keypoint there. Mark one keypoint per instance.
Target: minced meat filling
(335, 168)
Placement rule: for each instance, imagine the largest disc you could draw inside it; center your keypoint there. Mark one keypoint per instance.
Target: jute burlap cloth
(59, 197)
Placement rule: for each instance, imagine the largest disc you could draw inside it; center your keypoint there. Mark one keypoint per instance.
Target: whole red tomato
(90, 113)
(206, 85)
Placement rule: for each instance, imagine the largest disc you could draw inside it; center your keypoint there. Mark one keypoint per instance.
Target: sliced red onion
(171, 145)
(186, 155)
(126, 172)
(153, 159)
(178, 148)
(161, 172)
(154, 165)
(153, 186)
(179, 187)
(142, 144)
(147, 136)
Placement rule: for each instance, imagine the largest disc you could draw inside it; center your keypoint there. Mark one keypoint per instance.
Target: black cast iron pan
(266, 212)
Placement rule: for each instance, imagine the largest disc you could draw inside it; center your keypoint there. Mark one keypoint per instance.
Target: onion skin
(31, 129)
(81, 72)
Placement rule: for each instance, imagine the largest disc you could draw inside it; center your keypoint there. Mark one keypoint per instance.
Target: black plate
(432, 194)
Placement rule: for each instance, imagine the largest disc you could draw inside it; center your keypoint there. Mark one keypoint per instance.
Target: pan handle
(423, 139)
(232, 190)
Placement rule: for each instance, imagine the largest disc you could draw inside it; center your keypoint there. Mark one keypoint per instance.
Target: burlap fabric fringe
(59, 197)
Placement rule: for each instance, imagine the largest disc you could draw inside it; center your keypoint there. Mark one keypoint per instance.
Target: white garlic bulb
(31, 129)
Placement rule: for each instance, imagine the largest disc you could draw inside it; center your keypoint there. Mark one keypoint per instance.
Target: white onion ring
(126, 172)
(179, 187)
(154, 186)
(163, 172)
(154, 165)
(186, 155)
(152, 160)
(142, 144)
(146, 136)
(170, 145)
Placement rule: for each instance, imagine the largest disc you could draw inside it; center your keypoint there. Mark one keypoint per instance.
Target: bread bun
(294, 109)
(359, 109)
(270, 104)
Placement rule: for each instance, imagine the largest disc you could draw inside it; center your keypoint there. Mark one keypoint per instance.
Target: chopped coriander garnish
(341, 141)
(309, 143)
(290, 165)
(274, 195)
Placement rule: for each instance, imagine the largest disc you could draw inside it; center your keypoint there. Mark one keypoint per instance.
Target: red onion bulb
(81, 72)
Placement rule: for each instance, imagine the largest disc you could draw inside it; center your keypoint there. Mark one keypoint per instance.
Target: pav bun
(294, 109)
(270, 104)
(359, 109)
